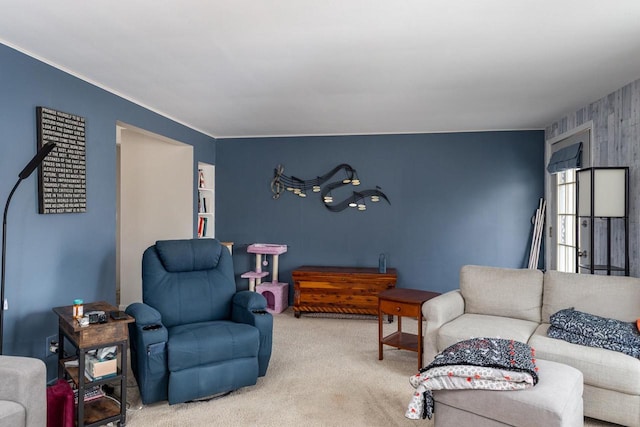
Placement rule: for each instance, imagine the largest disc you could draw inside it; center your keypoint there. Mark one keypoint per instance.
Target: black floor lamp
(28, 170)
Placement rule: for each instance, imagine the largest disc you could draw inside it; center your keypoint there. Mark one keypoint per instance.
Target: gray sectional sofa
(517, 304)
(23, 392)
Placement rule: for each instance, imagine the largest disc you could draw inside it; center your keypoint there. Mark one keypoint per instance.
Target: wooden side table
(402, 302)
(112, 333)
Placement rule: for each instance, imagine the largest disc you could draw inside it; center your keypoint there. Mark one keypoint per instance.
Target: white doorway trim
(552, 145)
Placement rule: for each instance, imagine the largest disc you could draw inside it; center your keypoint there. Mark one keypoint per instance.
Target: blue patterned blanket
(478, 363)
(590, 330)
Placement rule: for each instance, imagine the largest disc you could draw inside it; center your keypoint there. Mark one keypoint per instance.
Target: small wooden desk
(402, 302)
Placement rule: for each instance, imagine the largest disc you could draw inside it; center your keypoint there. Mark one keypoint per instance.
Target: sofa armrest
(24, 381)
(438, 311)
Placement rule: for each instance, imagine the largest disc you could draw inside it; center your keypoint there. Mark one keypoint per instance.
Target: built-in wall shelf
(206, 200)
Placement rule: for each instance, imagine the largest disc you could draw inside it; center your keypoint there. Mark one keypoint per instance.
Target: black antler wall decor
(300, 187)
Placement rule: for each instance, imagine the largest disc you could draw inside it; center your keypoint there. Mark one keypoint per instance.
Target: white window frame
(553, 145)
(569, 248)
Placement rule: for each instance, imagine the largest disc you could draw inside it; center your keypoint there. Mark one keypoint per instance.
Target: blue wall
(457, 198)
(52, 259)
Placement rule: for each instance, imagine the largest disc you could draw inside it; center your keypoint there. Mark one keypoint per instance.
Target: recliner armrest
(248, 300)
(249, 307)
(148, 328)
(148, 339)
(144, 314)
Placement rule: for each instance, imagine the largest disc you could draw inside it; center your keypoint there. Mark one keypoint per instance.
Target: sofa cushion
(12, 414)
(555, 401)
(200, 344)
(601, 368)
(491, 290)
(606, 296)
(479, 326)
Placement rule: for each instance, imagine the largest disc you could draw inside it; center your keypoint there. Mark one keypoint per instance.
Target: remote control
(118, 315)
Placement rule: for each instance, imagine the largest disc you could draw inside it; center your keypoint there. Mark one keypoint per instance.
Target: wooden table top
(407, 295)
(66, 314)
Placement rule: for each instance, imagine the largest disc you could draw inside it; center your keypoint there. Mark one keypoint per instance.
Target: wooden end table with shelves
(402, 302)
(97, 335)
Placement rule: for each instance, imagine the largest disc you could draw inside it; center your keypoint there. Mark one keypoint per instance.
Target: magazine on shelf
(90, 393)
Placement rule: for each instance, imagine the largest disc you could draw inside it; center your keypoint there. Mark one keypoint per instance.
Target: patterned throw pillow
(594, 331)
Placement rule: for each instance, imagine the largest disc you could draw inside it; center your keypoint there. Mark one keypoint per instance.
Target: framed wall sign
(62, 176)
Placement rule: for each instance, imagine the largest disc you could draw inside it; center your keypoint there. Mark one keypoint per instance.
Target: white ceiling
(234, 68)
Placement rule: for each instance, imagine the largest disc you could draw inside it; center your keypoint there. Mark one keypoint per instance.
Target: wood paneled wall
(615, 141)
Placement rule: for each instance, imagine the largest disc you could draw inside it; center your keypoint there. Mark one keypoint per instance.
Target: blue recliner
(195, 336)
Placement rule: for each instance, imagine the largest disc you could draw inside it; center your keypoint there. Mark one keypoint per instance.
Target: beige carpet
(323, 372)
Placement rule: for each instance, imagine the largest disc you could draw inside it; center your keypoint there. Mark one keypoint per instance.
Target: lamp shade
(603, 190)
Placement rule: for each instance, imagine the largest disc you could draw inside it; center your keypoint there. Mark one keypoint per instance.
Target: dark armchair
(195, 336)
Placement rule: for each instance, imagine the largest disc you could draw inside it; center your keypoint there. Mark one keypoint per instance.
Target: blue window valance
(566, 158)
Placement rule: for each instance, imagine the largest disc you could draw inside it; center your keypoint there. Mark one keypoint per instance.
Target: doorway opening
(155, 190)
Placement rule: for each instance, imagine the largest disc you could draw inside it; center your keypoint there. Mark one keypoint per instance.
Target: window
(566, 221)
(560, 253)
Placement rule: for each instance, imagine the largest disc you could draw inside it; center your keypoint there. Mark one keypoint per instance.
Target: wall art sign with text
(62, 176)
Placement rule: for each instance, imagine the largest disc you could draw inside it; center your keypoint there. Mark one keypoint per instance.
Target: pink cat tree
(276, 293)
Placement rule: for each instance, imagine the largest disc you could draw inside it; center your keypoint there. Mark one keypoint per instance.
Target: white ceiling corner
(299, 67)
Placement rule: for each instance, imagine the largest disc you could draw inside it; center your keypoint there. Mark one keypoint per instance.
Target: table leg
(380, 315)
(123, 384)
(81, 386)
(60, 353)
(419, 340)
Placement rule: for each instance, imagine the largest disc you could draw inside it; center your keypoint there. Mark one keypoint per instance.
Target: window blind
(569, 157)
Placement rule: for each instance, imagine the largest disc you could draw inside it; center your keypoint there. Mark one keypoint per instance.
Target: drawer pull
(398, 309)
